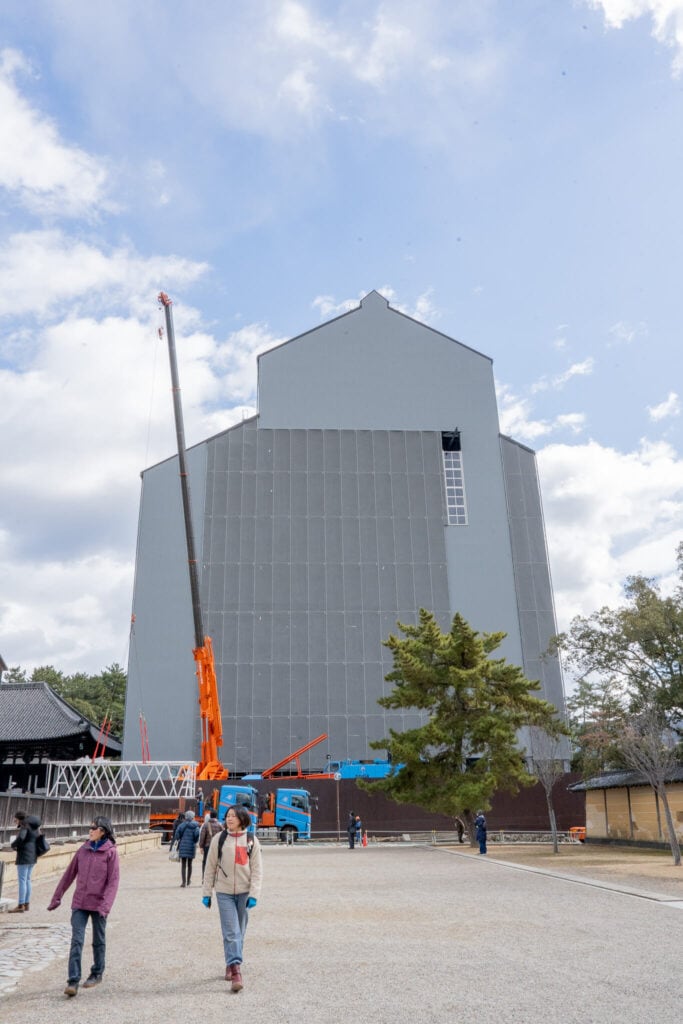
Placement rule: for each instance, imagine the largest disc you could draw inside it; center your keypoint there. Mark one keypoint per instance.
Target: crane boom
(294, 757)
(210, 765)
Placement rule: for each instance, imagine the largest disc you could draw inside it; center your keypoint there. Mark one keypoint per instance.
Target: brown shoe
(71, 989)
(228, 972)
(19, 909)
(237, 985)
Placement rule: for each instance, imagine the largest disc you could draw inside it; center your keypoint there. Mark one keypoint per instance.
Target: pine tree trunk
(471, 830)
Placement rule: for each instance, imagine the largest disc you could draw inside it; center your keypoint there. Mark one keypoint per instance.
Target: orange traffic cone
(365, 839)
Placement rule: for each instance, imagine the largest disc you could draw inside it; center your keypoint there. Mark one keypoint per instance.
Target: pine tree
(475, 705)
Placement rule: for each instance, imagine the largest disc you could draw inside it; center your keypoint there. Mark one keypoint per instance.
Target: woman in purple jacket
(95, 867)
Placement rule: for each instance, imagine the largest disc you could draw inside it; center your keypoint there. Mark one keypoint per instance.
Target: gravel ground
(385, 934)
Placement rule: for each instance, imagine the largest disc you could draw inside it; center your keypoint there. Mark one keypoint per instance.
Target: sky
(509, 174)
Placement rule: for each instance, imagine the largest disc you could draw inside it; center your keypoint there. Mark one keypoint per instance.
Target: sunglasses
(93, 828)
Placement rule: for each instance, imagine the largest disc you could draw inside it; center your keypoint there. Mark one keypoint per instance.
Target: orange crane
(210, 764)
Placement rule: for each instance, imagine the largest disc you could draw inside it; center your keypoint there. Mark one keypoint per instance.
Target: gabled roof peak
(374, 298)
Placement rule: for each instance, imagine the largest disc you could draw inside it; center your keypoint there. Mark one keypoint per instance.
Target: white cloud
(666, 16)
(236, 362)
(279, 68)
(556, 383)
(328, 307)
(42, 270)
(573, 421)
(156, 175)
(516, 418)
(46, 174)
(671, 406)
(423, 309)
(86, 412)
(623, 333)
(608, 514)
(298, 89)
(71, 614)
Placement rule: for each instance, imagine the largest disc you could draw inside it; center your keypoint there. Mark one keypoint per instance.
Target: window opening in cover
(456, 505)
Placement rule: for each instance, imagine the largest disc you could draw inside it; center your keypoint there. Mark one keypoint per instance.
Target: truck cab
(238, 796)
(282, 813)
(288, 811)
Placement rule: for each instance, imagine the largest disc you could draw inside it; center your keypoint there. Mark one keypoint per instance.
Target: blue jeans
(234, 917)
(24, 876)
(79, 919)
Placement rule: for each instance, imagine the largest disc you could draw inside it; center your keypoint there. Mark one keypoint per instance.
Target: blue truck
(285, 813)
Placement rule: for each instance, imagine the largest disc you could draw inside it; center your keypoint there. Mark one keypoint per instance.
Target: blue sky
(507, 173)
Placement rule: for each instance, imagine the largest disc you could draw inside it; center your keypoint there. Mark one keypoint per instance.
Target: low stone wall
(55, 861)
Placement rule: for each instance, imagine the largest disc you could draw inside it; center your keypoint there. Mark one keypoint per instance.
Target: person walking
(351, 829)
(187, 837)
(209, 829)
(480, 825)
(95, 869)
(24, 843)
(234, 871)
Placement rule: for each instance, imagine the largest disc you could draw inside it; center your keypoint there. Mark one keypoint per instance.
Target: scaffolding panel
(121, 780)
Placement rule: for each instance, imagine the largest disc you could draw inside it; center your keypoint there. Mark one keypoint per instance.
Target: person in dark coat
(24, 843)
(187, 837)
(480, 825)
(351, 829)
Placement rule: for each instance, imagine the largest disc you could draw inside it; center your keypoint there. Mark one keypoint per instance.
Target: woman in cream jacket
(234, 871)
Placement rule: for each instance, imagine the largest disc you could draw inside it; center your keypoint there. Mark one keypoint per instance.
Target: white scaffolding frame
(121, 780)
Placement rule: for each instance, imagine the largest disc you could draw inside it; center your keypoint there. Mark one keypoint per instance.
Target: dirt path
(651, 870)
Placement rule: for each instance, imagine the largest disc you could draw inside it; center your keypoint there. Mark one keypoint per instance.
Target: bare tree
(649, 747)
(548, 767)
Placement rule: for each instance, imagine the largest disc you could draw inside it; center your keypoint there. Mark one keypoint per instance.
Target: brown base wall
(525, 812)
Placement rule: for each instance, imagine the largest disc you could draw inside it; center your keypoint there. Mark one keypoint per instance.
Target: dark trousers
(186, 869)
(79, 919)
(352, 839)
(482, 843)
(205, 854)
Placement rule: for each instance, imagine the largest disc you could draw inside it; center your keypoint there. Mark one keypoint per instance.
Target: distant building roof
(625, 777)
(34, 713)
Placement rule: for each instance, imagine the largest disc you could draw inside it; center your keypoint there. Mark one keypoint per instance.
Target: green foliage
(93, 696)
(15, 674)
(626, 660)
(467, 749)
(596, 716)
